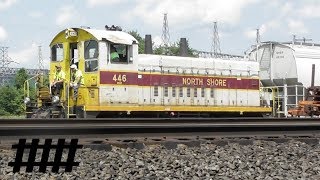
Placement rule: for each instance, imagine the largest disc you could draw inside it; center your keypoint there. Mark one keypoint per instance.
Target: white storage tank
(287, 67)
(287, 63)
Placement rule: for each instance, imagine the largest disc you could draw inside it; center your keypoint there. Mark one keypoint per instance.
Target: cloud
(157, 41)
(311, 10)
(35, 14)
(191, 11)
(66, 14)
(4, 4)
(276, 23)
(251, 33)
(297, 27)
(3, 33)
(93, 3)
(286, 9)
(26, 57)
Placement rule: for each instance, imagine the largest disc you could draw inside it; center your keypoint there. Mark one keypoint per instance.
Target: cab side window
(120, 53)
(57, 52)
(91, 54)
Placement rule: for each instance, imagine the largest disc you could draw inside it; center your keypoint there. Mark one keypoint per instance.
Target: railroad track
(136, 133)
(159, 127)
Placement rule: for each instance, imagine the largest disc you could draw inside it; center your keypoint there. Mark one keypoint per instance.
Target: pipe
(312, 75)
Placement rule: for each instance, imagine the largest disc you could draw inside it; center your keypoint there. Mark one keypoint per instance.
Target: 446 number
(119, 78)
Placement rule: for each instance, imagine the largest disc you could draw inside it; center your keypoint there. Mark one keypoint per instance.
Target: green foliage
(11, 100)
(46, 80)
(20, 78)
(11, 96)
(3, 112)
(172, 50)
(136, 35)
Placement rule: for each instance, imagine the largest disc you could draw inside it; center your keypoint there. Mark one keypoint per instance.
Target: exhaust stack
(148, 44)
(312, 75)
(183, 51)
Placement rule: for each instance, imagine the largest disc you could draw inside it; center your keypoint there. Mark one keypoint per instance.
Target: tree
(136, 35)
(11, 96)
(11, 101)
(20, 78)
(174, 49)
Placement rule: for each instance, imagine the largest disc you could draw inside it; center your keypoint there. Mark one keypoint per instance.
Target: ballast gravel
(265, 160)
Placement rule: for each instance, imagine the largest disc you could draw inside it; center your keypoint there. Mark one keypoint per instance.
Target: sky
(27, 24)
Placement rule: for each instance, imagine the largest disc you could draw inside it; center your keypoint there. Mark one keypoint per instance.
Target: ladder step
(72, 115)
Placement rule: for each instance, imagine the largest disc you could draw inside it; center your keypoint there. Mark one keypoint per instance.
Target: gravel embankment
(262, 160)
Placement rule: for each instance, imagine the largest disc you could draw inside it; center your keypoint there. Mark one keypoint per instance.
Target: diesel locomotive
(142, 85)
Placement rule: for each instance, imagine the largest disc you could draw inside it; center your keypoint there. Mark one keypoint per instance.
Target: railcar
(144, 85)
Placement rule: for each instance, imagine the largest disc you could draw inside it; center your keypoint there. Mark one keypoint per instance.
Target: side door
(90, 71)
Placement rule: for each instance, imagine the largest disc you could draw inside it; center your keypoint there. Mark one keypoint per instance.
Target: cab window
(57, 52)
(120, 53)
(91, 54)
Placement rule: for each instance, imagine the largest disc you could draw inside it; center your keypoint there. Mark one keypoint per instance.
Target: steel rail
(75, 127)
(155, 120)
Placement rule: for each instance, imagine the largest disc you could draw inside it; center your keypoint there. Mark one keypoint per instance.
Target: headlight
(55, 99)
(26, 100)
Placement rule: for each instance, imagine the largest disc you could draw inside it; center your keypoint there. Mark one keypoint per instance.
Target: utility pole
(165, 34)
(215, 46)
(258, 41)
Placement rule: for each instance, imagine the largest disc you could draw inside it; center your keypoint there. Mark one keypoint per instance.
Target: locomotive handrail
(68, 101)
(273, 96)
(26, 85)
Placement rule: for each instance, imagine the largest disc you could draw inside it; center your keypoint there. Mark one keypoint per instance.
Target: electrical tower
(5, 60)
(215, 47)
(40, 59)
(165, 34)
(258, 39)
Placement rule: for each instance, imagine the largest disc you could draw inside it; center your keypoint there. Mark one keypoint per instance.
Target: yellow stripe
(180, 108)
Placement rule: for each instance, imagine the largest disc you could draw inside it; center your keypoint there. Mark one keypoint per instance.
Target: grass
(13, 117)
